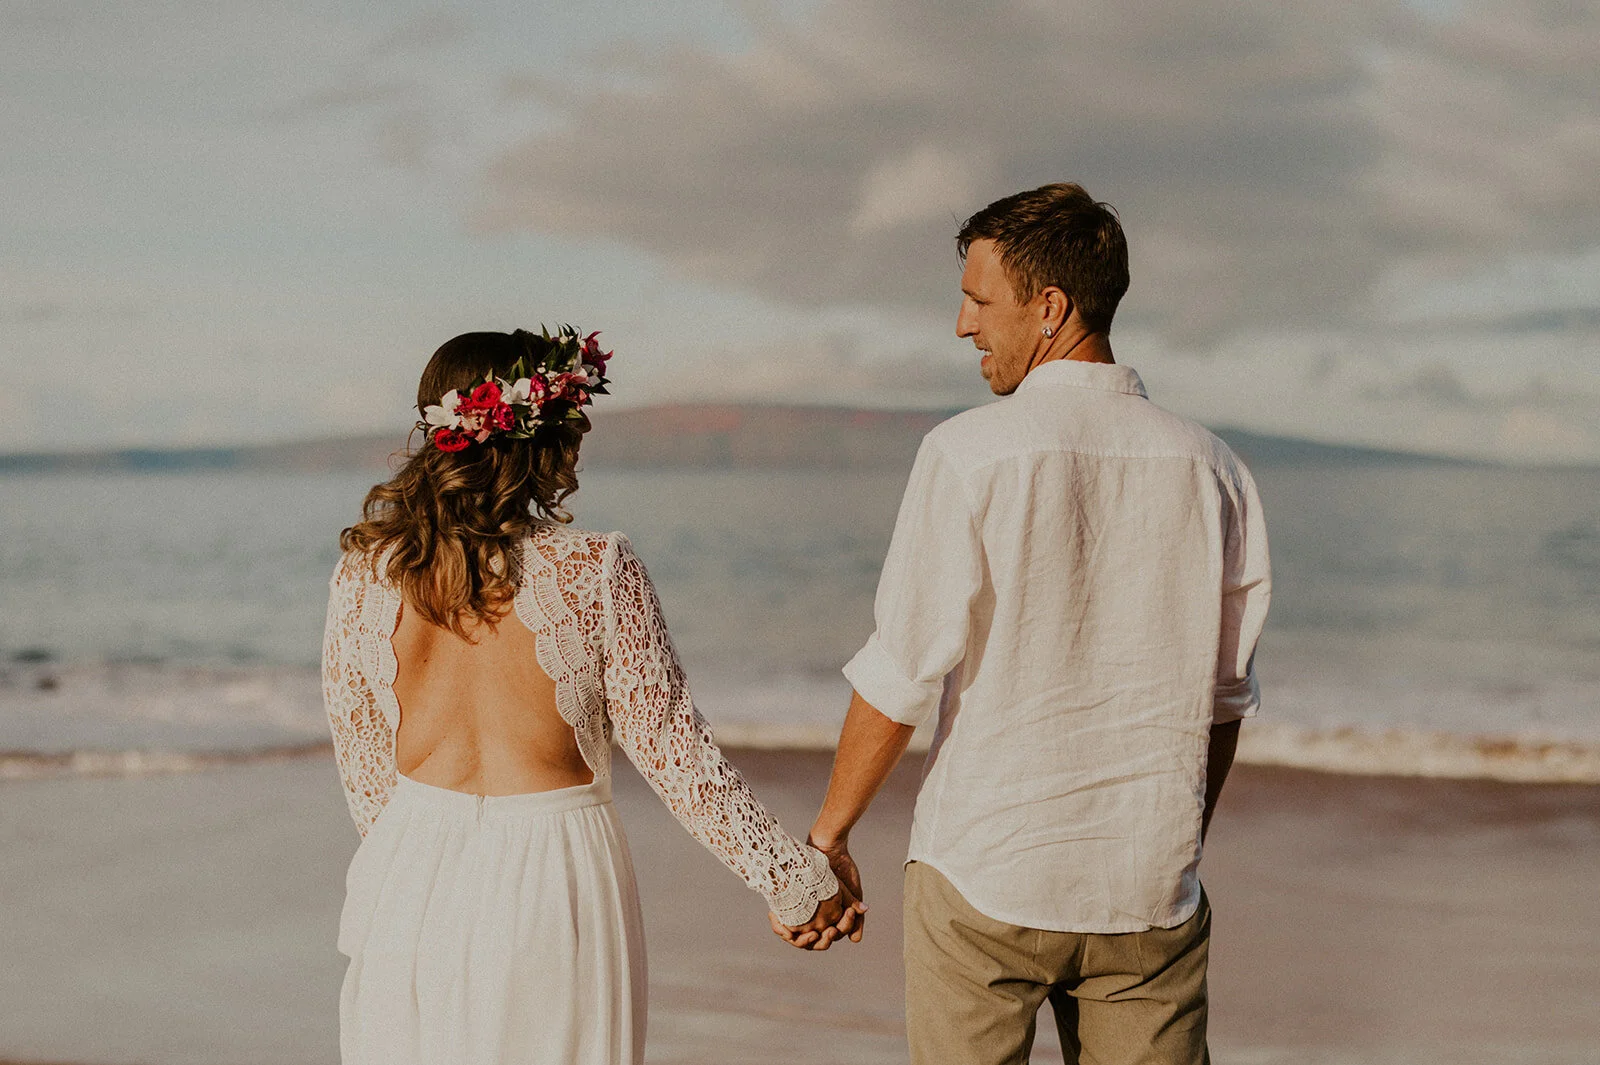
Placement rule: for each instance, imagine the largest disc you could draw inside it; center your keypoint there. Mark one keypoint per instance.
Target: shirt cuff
(807, 889)
(878, 680)
(1236, 701)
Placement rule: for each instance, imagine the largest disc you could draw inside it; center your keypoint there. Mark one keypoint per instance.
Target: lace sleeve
(657, 725)
(353, 689)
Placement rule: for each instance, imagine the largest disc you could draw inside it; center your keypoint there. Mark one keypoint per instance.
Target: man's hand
(835, 919)
(1219, 759)
(844, 867)
(869, 746)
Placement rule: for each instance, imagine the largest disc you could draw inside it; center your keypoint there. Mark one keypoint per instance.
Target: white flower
(443, 414)
(521, 391)
(594, 378)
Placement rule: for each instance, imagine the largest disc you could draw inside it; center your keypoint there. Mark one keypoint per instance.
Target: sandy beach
(189, 920)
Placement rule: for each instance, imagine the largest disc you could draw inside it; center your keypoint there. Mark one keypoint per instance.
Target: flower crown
(570, 374)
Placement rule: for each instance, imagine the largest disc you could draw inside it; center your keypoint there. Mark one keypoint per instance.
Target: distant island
(700, 436)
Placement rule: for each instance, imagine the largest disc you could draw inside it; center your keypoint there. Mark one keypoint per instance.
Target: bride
(479, 659)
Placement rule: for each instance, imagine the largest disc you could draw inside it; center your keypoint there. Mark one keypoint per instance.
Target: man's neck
(1077, 347)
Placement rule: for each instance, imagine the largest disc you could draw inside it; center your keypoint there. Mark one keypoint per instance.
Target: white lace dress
(506, 929)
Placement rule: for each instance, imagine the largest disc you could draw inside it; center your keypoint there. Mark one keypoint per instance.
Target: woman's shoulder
(572, 543)
(353, 568)
(356, 580)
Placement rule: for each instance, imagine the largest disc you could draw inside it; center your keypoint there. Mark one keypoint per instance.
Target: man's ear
(1057, 308)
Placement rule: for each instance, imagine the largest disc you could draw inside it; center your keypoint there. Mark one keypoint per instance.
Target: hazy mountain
(714, 436)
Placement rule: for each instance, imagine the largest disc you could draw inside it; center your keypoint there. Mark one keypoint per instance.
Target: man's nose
(964, 327)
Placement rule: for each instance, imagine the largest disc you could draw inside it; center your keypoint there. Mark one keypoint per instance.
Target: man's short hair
(1057, 235)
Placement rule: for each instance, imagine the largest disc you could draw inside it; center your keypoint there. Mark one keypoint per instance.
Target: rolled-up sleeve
(930, 576)
(1246, 593)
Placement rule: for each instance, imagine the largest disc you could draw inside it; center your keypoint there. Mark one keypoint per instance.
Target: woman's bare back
(480, 716)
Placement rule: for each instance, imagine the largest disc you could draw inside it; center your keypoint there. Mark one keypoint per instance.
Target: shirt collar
(1105, 376)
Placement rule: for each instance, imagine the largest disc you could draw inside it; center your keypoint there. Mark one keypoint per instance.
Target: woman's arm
(363, 733)
(658, 727)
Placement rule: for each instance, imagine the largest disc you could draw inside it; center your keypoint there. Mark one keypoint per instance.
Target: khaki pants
(974, 986)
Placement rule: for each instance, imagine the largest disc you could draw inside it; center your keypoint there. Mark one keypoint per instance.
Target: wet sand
(190, 919)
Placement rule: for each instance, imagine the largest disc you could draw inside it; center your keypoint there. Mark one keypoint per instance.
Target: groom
(1075, 587)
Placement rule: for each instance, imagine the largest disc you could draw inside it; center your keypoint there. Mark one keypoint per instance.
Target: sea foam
(135, 720)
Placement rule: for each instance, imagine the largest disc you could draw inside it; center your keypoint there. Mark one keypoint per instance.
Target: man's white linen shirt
(1076, 584)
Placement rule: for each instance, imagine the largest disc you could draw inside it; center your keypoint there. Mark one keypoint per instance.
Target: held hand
(835, 919)
(837, 852)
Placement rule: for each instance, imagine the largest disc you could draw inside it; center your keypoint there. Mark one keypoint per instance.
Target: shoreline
(1398, 753)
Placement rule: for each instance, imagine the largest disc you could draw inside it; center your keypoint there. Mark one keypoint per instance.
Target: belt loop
(480, 810)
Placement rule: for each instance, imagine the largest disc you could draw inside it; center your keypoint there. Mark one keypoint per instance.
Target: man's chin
(997, 384)
(986, 368)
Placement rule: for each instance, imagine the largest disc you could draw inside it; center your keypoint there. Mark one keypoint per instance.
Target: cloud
(403, 83)
(928, 184)
(357, 93)
(1526, 430)
(1433, 385)
(1376, 218)
(1271, 161)
(406, 138)
(1489, 129)
(423, 33)
(1454, 396)
(28, 312)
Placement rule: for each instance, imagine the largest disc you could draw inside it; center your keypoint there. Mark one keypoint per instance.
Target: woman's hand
(836, 918)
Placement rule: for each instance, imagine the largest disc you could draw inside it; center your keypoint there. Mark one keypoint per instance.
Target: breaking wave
(149, 719)
(1348, 750)
(32, 765)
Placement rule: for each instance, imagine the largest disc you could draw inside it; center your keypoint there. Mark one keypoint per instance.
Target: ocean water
(1417, 609)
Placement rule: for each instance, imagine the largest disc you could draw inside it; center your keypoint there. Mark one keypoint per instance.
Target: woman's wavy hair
(452, 523)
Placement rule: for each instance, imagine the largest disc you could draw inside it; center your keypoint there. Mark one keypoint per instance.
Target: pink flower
(450, 440)
(530, 391)
(593, 356)
(572, 387)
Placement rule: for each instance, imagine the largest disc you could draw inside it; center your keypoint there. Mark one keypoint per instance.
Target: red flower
(485, 411)
(485, 397)
(451, 440)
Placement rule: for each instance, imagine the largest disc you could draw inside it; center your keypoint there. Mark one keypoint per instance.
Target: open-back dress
(506, 929)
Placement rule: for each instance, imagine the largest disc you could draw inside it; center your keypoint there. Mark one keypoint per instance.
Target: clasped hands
(842, 916)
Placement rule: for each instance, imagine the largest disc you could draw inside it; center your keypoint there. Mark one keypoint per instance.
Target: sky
(1375, 222)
